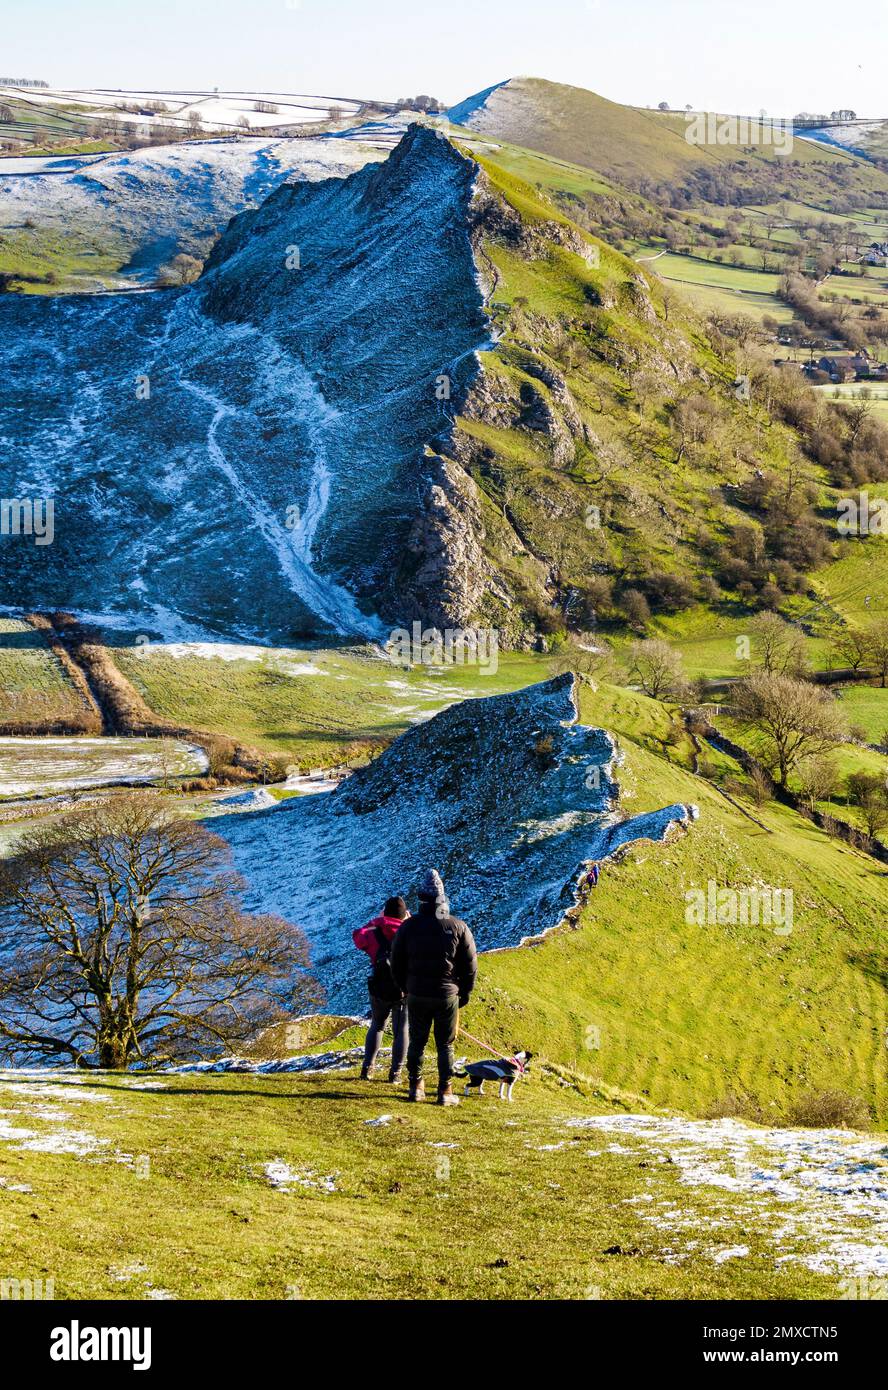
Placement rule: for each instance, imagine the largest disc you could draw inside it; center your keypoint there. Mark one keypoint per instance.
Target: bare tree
(657, 668)
(122, 938)
(181, 270)
(853, 646)
(596, 662)
(867, 791)
(780, 647)
(818, 778)
(792, 719)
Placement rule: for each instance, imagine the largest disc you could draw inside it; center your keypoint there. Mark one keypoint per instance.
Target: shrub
(636, 608)
(732, 1107)
(830, 1110)
(760, 786)
(544, 752)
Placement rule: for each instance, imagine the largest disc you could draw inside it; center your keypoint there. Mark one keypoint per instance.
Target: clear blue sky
(782, 57)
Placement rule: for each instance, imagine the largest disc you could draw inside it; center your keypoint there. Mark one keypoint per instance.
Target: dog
(505, 1070)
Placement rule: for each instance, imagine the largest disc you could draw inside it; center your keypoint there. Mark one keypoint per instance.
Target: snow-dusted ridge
(509, 797)
(245, 456)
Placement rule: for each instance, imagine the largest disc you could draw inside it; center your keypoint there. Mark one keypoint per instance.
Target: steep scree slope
(244, 456)
(507, 796)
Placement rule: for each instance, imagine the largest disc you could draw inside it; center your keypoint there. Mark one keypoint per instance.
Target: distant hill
(626, 143)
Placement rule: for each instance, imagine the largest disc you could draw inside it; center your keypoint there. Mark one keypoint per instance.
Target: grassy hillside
(33, 685)
(248, 1185)
(317, 707)
(626, 143)
(685, 1015)
(47, 260)
(490, 1201)
(606, 437)
(723, 222)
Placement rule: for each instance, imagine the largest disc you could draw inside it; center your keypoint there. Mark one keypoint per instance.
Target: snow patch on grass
(818, 1196)
(313, 1062)
(284, 1178)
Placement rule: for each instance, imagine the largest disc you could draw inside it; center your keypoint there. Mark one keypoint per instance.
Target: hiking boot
(395, 1077)
(417, 1088)
(366, 1074)
(446, 1096)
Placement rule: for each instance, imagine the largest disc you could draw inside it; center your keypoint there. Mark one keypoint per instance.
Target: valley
(537, 373)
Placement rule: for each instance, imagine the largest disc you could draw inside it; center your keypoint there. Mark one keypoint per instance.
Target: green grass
(356, 706)
(712, 287)
(855, 582)
(498, 1216)
(629, 144)
(33, 685)
(628, 1009)
(875, 392)
(867, 706)
(685, 1015)
(695, 270)
(50, 260)
(555, 175)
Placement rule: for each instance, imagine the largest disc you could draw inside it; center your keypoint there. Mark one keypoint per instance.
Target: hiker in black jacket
(433, 961)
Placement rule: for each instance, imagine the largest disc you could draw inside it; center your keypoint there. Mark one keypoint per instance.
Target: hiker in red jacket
(385, 996)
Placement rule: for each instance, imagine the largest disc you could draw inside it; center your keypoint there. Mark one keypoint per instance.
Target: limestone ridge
(508, 796)
(265, 482)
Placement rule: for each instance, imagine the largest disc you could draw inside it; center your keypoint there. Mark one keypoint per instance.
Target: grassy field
(715, 1011)
(855, 582)
(316, 707)
(867, 706)
(876, 394)
(417, 1208)
(711, 287)
(47, 260)
(33, 685)
(624, 142)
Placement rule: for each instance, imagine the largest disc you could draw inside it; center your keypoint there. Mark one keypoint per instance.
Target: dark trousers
(379, 1012)
(442, 1015)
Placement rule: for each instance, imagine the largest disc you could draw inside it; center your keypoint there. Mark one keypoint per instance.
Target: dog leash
(487, 1048)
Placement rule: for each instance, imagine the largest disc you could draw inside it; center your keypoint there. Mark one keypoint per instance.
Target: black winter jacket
(434, 957)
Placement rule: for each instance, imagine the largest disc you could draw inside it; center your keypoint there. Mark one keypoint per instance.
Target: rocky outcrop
(495, 793)
(446, 574)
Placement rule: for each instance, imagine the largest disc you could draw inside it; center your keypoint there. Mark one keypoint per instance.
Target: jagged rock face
(444, 574)
(245, 456)
(508, 797)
